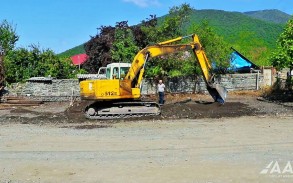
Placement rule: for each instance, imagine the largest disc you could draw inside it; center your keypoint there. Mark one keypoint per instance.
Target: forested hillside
(232, 26)
(252, 33)
(275, 16)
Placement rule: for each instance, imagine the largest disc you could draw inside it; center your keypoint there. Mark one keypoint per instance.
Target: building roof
(79, 59)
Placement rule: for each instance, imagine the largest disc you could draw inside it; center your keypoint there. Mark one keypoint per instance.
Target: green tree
(216, 49)
(124, 48)
(22, 63)
(283, 57)
(168, 27)
(8, 36)
(172, 24)
(16, 63)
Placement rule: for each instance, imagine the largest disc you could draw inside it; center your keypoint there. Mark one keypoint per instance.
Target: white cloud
(144, 3)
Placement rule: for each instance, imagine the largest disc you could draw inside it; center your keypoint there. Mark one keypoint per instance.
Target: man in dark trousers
(161, 90)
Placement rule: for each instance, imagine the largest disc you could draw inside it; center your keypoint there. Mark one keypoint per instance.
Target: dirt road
(193, 141)
(189, 150)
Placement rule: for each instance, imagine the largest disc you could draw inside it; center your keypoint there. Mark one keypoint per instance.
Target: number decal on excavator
(110, 93)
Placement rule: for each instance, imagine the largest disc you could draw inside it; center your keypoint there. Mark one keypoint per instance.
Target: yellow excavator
(118, 94)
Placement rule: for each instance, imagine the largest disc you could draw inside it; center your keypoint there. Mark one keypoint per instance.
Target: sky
(63, 24)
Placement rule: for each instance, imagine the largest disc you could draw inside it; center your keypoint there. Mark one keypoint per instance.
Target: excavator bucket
(218, 92)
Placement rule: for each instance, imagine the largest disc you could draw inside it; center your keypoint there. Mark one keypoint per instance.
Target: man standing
(161, 89)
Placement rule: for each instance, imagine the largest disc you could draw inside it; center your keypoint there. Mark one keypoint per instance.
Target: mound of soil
(188, 108)
(280, 96)
(199, 109)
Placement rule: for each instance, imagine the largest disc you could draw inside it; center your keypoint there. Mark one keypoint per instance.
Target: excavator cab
(117, 70)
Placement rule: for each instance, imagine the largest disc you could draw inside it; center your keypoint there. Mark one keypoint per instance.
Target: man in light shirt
(161, 90)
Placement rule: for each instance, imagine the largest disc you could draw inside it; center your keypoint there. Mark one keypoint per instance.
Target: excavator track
(120, 110)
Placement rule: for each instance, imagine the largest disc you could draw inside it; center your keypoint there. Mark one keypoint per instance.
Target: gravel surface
(193, 140)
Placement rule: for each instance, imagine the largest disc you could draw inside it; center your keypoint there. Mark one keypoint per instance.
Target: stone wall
(68, 89)
(232, 82)
(48, 90)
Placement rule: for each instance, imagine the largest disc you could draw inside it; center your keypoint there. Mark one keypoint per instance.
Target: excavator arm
(218, 92)
(136, 71)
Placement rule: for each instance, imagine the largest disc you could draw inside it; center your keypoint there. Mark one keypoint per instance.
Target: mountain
(264, 25)
(275, 16)
(73, 51)
(234, 25)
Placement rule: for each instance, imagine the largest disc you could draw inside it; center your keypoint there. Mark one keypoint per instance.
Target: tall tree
(124, 48)
(98, 49)
(283, 57)
(168, 27)
(141, 32)
(8, 38)
(217, 50)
